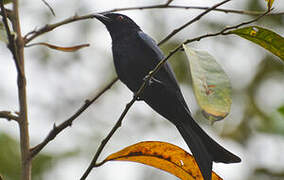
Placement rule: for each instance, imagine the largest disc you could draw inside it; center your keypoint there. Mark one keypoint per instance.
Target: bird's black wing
(166, 74)
(153, 46)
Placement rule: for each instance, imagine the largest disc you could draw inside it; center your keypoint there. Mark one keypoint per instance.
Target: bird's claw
(151, 80)
(148, 80)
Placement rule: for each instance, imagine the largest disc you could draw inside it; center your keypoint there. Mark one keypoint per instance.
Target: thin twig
(175, 31)
(47, 28)
(49, 7)
(169, 2)
(225, 30)
(164, 6)
(104, 141)
(57, 129)
(8, 115)
(143, 86)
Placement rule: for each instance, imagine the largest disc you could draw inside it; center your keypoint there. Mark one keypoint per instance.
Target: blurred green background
(58, 83)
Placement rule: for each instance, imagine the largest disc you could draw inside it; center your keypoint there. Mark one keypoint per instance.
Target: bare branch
(47, 28)
(49, 7)
(164, 6)
(225, 30)
(8, 115)
(57, 129)
(11, 37)
(104, 142)
(16, 46)
(241, 12)
(169, 2)
(175, 31)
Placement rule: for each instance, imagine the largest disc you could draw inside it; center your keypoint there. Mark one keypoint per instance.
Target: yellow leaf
(269, 3)
(65, 49)
(164, 156)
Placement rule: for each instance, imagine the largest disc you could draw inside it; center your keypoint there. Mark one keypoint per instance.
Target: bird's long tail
(205, 150)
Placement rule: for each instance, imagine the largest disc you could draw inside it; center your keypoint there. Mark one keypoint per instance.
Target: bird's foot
(151, 80)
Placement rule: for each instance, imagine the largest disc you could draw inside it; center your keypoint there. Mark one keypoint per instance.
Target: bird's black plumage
(135, 54)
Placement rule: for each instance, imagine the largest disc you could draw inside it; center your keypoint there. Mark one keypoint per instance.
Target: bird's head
(117, 23)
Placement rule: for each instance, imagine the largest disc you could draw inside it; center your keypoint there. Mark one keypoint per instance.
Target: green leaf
(3, 34)
(263, 37)
(211, 85)
(281, 110)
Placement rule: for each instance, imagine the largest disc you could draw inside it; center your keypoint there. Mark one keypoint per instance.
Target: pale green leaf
(211, 85)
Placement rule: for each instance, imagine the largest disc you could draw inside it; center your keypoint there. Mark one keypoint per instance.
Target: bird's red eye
(120, 18)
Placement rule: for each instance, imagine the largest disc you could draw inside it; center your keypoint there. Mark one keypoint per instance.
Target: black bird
(134, 55)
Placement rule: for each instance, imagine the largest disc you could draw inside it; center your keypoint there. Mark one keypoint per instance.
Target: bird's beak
(104, 19)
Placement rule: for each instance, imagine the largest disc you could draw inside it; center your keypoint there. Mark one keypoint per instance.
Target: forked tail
(205, 150)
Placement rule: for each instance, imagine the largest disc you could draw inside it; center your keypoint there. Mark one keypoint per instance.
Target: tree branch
(144, 85)
(175, 31)
(8, 115)
(169, 2)
(104, 141)
(57, 129)
(17, 48)
(47, 28)
(225, 30)
(49, 7)
(11, 38)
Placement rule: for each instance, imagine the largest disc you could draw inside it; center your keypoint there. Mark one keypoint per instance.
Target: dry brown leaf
(164, 156)
(65, 49)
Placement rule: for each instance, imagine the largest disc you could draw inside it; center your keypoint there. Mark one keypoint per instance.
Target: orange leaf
(65, 49)
(164, 156)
